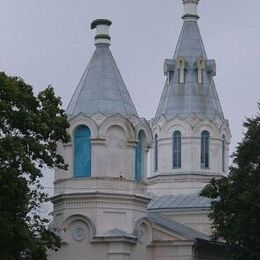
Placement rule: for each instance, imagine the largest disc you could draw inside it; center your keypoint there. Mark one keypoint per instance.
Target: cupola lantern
(190, 9)
(102, 31)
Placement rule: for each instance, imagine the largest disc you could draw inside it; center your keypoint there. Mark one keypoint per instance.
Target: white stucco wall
(191, 177)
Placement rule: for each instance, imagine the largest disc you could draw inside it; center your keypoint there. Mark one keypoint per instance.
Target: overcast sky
(50, 42)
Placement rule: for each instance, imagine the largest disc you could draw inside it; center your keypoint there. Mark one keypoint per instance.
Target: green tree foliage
(30, 127)
(236, 199)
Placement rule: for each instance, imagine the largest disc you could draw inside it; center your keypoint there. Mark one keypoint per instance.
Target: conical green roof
(101, 88)
(182, 99)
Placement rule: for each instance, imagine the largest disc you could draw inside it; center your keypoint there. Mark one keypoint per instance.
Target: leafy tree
(30, 127)
(236, 199)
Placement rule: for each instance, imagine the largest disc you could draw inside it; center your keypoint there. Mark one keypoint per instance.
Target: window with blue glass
(223, 153)
(82, 152)
(139, 156)
(205, 149)
(156, 153)
(176, 146)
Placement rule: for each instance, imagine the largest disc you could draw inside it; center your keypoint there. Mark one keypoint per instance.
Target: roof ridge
(82, 78)
(119, 90)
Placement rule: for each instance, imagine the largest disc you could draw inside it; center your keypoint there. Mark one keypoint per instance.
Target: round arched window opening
(204, 149)
(82, 152)
(176, 149)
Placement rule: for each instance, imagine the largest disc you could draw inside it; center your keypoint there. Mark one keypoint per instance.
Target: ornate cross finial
(190, 10)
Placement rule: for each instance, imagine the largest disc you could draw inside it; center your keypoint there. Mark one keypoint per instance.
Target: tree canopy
(30, 127)
(235, 203)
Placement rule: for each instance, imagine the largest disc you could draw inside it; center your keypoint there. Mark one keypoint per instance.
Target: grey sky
(50, 42)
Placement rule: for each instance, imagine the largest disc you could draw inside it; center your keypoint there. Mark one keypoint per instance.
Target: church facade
(112, 205)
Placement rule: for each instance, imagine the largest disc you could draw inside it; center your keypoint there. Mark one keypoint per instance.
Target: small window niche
(181, 66)
(176, 149)
(140, 156)
(156, 153)
(200, 70)
(205, 139)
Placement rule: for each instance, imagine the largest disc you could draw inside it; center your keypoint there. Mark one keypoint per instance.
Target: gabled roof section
(176, 227)
(101, 88)
(189, 97)
(179, 202)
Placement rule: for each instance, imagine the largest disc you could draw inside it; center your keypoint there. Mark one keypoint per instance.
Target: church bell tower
(102, 197)
(191, 134)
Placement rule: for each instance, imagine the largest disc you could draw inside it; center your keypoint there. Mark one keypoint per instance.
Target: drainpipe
(194, 249)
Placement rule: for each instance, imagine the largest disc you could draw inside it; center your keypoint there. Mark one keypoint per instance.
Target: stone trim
(102, 239)
(102, 36)
(191, 2)
(97, 22)
(82, 200)
(190, 16)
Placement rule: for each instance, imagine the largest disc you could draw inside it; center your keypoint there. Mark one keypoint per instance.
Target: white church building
(112, 205)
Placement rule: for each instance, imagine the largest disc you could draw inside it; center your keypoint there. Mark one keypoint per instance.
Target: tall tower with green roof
(103, 193)
(191, 134)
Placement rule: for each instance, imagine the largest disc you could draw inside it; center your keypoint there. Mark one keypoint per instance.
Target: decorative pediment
(200, 63)
(134, 120)
(82, 119)
(162, 120)
(193, 120)
(99, 118)
(218, 122)
(182, 63)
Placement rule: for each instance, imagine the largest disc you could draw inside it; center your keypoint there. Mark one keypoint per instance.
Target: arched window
(181, 70)
(176, 146)
(200, 69)
(205, 149)
(139, 156)
(82, 152)
(156, 153)
(223, 154)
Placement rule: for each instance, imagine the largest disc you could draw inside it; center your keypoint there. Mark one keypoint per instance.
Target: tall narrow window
(181, 70)
(139, 156)
(201, 67)
(82, 152)
(223, 154)
(176, 146)
(205, 149)
(156, 153)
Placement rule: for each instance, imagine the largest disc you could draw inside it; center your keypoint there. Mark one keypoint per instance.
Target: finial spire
(102, 31)
(190, 10)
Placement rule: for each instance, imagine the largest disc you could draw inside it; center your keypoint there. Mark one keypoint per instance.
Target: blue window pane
(139, 160)
(156, 153)
(82, 152)
(205, 149)
(177, 149)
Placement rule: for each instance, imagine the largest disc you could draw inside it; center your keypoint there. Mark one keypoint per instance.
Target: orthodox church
(112, 205)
